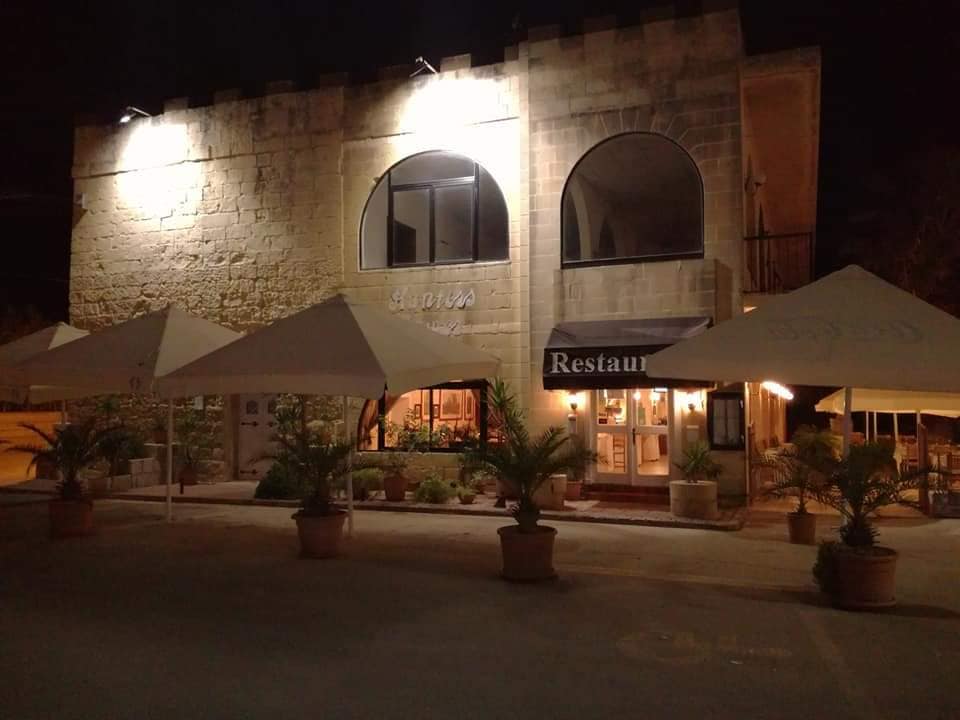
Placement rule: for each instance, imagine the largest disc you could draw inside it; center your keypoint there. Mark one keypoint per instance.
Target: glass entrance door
(631, 435)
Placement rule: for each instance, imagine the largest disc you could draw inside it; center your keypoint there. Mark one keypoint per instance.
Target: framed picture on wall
(418, 411)
(436, 411)
(468, 409)
(451, 404)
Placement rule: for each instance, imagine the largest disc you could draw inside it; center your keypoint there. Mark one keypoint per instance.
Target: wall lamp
(420, 65)
(130, 112)
(777, 389)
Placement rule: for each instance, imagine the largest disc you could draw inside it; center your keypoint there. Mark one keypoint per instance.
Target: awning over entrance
(612, 353)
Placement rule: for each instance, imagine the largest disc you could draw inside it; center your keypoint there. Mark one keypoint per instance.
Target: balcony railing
(777, 263)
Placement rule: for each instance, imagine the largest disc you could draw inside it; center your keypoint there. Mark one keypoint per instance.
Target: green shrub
(366, 482)
(279, 484)
(433, 489)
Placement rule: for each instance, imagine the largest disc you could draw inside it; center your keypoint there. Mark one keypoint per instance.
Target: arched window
(434, 208)
(634, 197)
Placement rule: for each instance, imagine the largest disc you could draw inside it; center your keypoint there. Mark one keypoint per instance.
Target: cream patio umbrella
(129, 357)
(336, 347)
(849, 328)
(26, 347)
(893, 401)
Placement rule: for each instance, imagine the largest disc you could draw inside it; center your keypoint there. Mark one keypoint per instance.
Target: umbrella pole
(170, 460)
(875, 426)
(346, 438)
(896, 430)
(847, 419)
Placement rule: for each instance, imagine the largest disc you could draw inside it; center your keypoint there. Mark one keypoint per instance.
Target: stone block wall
(675, 77)
(249, 209)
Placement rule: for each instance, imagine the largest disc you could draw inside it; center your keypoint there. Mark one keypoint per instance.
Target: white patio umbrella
(893, 401)
(849, 328)
(336, 347)
(129, 357)
(26, 347)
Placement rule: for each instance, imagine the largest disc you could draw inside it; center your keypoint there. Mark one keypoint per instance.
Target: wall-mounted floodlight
(420, 65)
(131, 112)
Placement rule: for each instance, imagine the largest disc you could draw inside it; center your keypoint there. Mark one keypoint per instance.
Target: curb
(573, 516)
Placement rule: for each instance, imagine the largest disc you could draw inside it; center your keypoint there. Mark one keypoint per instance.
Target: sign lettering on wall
(403, 300)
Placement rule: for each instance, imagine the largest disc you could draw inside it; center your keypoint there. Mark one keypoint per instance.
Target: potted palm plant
(695, 496)
(70, 449)
(523, 462)
(318, 465)
(798, 471)
(856, 572)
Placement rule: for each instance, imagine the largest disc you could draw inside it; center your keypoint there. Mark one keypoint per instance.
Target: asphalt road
(216, 617)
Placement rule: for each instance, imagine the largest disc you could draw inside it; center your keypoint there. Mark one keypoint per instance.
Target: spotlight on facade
(130, 112)
(777, 389)
(421, 65)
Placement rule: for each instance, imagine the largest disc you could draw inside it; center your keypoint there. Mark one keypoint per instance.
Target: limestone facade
(249, 209)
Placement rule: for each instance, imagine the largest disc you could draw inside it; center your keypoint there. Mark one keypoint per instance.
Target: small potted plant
(855, 572)
(576, 475)
(70, 449)
(695, 496)
(367, 481)
(523, 462)
(798, 471)
(468, 487)
(433, 489)
(394, 465)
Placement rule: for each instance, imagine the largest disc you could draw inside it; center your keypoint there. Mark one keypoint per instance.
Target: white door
(631, 435)
(257, 426)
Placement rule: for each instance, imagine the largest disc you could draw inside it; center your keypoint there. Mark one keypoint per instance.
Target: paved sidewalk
(215, 616)
(241, 492)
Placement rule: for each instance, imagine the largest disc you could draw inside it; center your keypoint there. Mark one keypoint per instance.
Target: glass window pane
(411, 227)
(457, 422)
(453, 223)
(406, 420)
(612, 453)
(494, 230)
(611, 407)
(430, 167)
(373, 230)
(637, 195)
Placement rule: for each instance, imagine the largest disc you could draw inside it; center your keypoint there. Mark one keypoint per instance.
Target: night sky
(889, 74)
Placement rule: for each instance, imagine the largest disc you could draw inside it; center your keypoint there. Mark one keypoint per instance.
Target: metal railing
(777, 263)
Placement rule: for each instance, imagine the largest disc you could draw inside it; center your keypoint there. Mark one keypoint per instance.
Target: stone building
(583, 202)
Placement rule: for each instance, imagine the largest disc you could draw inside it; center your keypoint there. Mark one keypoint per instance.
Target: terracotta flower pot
(395, 487)
(320, 534)
(467, 498)
(802, 528)
(574, 488)
(527, 557)
(866, 578)
(694, 499)
(70, 518)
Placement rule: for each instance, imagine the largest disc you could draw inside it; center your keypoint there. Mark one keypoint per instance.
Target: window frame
(727, 395)
(431, 186)
(482, 411)
(632, 259)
